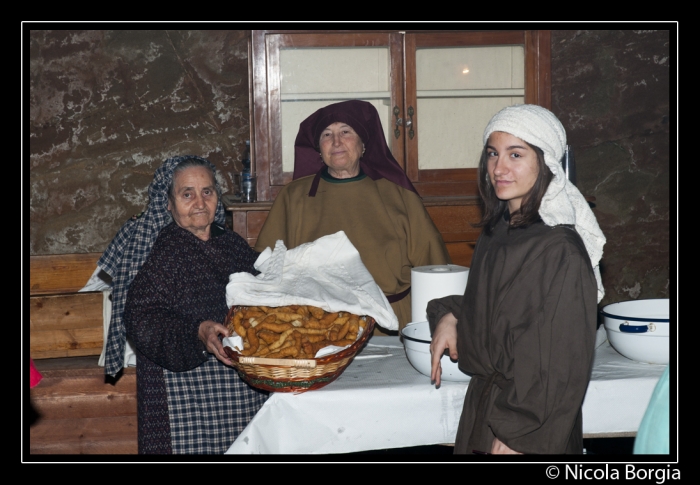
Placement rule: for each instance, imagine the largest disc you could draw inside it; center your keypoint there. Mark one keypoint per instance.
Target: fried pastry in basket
(295, 331)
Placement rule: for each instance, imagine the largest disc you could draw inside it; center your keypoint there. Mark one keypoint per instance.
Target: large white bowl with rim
(639, 329)
(416, 340)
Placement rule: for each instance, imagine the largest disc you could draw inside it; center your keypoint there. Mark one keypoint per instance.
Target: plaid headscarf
(130, 248)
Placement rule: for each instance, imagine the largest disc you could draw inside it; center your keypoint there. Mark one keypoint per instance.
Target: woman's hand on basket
(444, 337)
(209, 332)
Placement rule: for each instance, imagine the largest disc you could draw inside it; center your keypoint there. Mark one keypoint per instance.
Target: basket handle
(306, 363)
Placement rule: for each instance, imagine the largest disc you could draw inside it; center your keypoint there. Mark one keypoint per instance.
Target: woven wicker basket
(295, 375)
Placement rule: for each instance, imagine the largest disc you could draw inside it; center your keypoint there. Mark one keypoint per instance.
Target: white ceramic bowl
(639, 329)
(416, 340)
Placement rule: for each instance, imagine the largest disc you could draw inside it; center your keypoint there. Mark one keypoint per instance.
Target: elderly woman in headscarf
(170, 267)
(345, 178)
(525, 327)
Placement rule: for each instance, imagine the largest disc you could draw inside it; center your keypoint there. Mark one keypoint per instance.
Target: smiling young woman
(527, 319)
(515, 176)
(512, 168)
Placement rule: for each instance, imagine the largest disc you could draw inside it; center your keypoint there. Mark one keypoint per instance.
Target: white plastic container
(639, 329)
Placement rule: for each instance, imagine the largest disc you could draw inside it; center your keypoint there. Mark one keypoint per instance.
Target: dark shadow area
(592, 446)
(31, 415)
(609, 446)
(414, 450)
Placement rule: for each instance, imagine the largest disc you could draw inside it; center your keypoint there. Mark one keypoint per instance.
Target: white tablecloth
(380, 401)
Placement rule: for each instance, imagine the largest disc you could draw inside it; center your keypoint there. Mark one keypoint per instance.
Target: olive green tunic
(387, 224)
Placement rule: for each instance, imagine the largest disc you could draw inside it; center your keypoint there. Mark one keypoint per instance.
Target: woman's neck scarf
(562, 202)
(377, 161)
(130, 248)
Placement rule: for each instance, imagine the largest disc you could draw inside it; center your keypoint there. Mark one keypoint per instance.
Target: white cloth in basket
(327, 273)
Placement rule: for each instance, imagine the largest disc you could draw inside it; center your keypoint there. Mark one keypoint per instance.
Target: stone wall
(107, 107)
(611, 91)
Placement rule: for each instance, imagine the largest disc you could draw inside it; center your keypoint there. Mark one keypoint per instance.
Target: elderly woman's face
(193, 204)
(341, 149)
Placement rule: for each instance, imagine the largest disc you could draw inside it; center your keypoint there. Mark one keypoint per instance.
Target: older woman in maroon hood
(346, 179)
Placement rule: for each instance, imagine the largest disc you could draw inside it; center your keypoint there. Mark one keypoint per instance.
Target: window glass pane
(459, 90)
(451, 136)
(482, 67)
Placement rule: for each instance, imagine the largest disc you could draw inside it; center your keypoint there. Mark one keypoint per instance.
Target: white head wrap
(562, 203)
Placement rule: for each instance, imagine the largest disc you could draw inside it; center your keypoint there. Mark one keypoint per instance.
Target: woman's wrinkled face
(194, 200)
(512, 166)
(341, 148)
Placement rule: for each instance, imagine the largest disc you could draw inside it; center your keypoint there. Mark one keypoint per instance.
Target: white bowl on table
(416, 341)
(639, 329)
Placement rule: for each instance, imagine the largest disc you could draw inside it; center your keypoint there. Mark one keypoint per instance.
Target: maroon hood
(377, 161)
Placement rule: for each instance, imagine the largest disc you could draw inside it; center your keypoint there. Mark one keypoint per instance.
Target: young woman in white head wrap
(525, 327)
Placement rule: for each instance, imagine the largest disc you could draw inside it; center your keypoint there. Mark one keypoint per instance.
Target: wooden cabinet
(434, 90)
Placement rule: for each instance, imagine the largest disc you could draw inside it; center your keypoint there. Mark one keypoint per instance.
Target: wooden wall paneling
(240, 223)
(79, 412)
(80, 310)
(60, 273)
(461, 253)
(454, 222)
(104, 435)
(50, 344)
(256, 219)
(446, 189)
(84, 396)
(455, 225)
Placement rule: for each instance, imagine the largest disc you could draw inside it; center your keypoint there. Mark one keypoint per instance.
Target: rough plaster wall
(611, 90)
(107, 107)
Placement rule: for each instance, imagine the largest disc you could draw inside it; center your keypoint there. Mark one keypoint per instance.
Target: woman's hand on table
(498, 447)
(444, 337)
(209, 332)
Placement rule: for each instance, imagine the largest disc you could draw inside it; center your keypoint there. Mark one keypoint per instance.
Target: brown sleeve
(440, 307)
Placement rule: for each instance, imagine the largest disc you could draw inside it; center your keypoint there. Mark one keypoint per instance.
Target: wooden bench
(75, 409)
